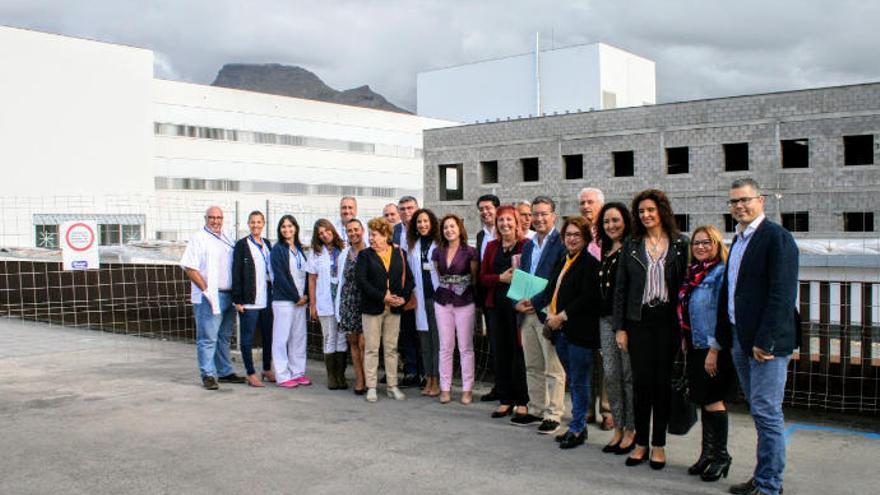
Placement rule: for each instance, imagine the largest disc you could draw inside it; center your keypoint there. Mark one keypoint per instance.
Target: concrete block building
(814, 151)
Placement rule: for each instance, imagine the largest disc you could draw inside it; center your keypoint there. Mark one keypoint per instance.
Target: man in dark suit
(544, 372)
(757, 321)
(408, 341)
(486, 205)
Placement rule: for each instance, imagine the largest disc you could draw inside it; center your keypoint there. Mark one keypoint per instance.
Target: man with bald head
(208, 264)
(348, 209)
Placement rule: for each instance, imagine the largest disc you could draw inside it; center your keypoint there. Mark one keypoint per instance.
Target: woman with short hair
(252, 296)
(386, 283)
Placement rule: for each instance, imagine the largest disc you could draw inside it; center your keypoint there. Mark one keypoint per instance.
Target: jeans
(213, 333)
(764, 387)
(247, 323)
(578, 362)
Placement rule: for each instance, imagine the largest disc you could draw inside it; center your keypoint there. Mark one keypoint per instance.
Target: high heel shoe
(500, 414)
(716, 469)
(611, 448)
(635, 461)
(657, 465)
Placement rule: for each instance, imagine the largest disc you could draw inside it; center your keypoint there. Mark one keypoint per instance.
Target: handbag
(682, 412)
(411, 303)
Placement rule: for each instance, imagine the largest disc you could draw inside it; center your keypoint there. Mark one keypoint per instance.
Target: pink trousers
(456, 323)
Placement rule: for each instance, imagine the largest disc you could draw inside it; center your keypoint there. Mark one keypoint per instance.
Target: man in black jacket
(486, 205)
(757, 321)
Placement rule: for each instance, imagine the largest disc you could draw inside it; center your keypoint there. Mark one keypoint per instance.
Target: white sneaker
(371, 395)
(395, 393)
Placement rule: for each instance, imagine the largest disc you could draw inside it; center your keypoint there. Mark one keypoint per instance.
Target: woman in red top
(496, 272)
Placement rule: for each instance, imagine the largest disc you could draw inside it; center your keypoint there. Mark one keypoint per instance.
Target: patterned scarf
(695, 274)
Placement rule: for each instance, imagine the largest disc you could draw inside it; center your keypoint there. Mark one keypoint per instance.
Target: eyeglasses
(744, 201)
(209, 217)
(573, 235)
(706, 243)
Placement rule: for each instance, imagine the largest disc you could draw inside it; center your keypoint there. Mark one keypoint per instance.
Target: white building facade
(565, 80)
(90, 134)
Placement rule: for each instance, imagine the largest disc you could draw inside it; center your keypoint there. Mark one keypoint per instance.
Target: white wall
(572, 79)
(75, 115)
(630, 77)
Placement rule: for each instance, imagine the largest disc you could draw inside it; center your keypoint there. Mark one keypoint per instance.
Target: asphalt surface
(87, 412)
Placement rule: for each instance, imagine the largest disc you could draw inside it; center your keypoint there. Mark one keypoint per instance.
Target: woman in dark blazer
(386, 282)
(573, 320)
(652, 265)
(252, 296)
(496, 272)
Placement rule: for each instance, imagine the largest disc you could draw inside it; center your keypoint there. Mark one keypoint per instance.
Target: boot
(720, 459)
(703, 462)
(330, 363)
(341, 363)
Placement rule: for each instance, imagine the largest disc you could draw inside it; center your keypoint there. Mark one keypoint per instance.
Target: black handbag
(682, 412)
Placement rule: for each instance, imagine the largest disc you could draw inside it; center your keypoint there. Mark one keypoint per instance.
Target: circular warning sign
(80, 237)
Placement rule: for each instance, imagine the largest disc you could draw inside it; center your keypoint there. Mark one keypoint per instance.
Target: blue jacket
(283, 288)
(765, 296)
(553, 250)
(703, 309)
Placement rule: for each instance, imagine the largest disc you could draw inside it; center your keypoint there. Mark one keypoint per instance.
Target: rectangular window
(623, 163)
(677, 160)
(684, 222)
(858, 150)
(858, 221)
(736, 156)
(795, 153)
(451, 186)
(529, 169)
(489, 172)
(110, 235)
(46, 236)
(574, 166)
(729, 223)
(798, 221)
(131, 233)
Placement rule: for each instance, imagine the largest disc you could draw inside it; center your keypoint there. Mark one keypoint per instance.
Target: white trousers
(289, 340)
(334, 340)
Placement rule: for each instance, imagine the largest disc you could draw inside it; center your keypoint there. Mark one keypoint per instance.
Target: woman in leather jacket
(652, 265)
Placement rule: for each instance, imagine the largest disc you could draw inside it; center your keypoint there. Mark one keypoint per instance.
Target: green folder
(525, 285)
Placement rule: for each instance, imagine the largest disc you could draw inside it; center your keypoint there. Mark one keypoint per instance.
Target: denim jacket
(703, 309)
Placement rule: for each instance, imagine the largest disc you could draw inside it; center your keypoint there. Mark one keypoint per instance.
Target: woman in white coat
(325, 270)
(421, 242)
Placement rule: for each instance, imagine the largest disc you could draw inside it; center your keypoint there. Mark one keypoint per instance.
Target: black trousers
(651, 343)
(510, 364)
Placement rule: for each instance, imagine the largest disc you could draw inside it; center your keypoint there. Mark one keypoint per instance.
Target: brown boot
(341, 363)
(330, 363)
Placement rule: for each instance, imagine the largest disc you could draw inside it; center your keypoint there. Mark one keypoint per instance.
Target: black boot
(330, 363)
(341, 362)
(720, 459)
(701, 464)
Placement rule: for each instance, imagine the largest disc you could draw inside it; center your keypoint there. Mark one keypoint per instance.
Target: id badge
(334, 280)
(426, 266)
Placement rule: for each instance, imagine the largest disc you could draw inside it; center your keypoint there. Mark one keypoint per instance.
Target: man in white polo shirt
(208, 264)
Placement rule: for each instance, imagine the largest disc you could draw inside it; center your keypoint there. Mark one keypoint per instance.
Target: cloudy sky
(703, 48)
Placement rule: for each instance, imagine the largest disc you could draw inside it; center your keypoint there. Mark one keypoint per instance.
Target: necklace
(654, 246)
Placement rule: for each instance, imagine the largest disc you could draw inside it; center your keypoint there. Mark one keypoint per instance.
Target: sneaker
(395, 393)
(548, 427)
(303, 380)
(210, 383)
(524, 419)
(292, 383)
(232, 378)
(371, 395)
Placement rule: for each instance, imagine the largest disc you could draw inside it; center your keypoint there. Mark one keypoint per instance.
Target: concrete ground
(85, 412)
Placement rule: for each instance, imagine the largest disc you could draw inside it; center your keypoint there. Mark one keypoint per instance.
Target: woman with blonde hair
(709, 369)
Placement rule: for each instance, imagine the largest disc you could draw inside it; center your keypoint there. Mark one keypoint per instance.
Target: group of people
(625, 293)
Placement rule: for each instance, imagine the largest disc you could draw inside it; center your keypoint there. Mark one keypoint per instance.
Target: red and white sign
(79, 245)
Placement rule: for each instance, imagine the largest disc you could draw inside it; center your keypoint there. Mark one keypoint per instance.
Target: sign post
(79, 245)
